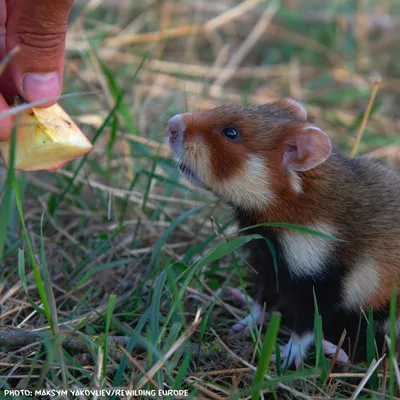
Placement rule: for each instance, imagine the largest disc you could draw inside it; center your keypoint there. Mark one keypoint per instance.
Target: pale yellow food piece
(47, 138)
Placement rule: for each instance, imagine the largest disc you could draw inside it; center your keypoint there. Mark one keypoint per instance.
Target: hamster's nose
(176, 126)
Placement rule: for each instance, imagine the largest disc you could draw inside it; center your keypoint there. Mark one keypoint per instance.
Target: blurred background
(115, 221)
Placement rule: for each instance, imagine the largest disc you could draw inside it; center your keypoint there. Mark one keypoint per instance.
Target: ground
(121, 246)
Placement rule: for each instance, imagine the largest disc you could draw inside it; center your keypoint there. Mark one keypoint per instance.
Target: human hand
(38, 28)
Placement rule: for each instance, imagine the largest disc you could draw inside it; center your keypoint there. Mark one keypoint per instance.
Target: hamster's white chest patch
(306, 254)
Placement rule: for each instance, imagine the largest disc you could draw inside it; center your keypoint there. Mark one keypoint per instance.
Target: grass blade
(372, 353)
(21, 270)
(318, 334)
(266, 352)
(6, 201)
(155, 320)
(124, 362)
(122, 107)
(111, 305)
(162, 240)
(47, 283)
(392, 347)
(35, 267)
(293, 227)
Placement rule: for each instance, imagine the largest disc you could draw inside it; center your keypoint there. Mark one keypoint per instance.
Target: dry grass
(124, 224)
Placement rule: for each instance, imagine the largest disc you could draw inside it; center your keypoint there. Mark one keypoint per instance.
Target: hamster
(269, 164)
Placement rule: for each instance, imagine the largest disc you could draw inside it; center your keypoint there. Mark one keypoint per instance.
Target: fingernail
(37, 86)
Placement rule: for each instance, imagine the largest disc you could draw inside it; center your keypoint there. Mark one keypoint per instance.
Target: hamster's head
(248, 155)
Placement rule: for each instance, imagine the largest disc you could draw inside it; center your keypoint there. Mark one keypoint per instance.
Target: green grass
(116, 244)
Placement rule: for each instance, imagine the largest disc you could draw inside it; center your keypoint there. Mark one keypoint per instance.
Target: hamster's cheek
(197, 156)
(249, 186)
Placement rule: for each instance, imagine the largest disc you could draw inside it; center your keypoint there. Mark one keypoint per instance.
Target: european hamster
(271, 165)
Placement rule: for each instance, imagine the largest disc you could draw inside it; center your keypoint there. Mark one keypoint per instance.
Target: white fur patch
(198, 157)
(361, 283)
(306, 254)
(249, 187)
(295, 181)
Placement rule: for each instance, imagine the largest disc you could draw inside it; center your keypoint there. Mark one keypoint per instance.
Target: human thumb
(39, 28)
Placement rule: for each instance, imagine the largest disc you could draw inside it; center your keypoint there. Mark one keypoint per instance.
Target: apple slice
(47, 138)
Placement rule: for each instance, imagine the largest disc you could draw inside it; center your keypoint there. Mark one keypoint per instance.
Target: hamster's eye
(230, 133)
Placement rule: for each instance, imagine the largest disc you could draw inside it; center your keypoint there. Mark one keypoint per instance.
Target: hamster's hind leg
(297, 348)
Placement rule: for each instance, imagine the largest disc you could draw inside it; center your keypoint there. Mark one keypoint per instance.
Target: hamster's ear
(307, 149)
(295, 107)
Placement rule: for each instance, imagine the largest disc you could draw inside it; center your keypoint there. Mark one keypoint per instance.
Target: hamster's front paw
(255, 316)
